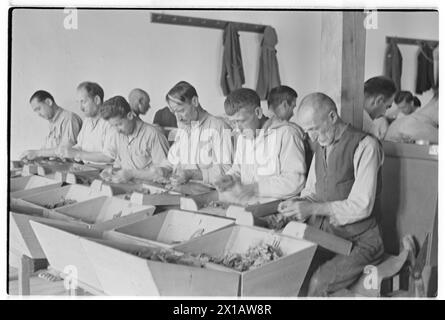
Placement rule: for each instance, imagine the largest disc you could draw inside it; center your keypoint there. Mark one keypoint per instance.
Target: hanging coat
(393, 63)
(232, 76)
(269, 75)
(425, 69)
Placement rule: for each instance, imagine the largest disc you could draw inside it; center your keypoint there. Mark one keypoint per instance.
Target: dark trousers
(335, 272)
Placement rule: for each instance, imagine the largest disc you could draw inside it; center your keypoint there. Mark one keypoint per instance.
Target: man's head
(379, 95)
(42, 102)
(139, 101)
(405, 102)
(117, 112)
(244, 109)
(281, 101)
(317, 116)
(183, 102)
(90, 96)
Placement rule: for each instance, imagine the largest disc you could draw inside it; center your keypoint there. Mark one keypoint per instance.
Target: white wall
(122, 49)
(418, 25)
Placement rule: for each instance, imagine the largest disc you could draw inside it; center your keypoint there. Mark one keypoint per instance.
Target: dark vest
(334, 180)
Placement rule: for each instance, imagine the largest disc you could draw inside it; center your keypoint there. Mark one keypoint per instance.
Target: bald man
(340, 196)
(139, 101)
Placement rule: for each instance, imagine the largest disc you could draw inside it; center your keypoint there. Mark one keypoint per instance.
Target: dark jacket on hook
(425, 69)
(232, 75)
(269, 75)
(393, 63)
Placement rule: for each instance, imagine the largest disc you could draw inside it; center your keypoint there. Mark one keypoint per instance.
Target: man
(137, 146)
(268, 163)
(379, 96)
(64, 126)
(282, 101)
(139, 101)
(95, 133)
(422, 124)
(343, 184)
(203, 147)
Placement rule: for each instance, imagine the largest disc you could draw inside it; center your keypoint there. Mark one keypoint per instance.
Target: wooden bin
(174, 226)
(61, 246)
(23, 186)
(282, 277)
(102, 213)
(74, 192)
(122, 273)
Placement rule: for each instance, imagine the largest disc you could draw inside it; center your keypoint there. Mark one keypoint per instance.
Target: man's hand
(107, 174)
(296, 208)
(67, 152)
(29, 155)
(225, 183)
(122, 176)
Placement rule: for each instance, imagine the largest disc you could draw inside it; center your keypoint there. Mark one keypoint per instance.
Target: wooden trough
(121, 272)
(23, 186)
(174, 226)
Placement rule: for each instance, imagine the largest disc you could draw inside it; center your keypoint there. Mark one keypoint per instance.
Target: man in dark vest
(341, 193)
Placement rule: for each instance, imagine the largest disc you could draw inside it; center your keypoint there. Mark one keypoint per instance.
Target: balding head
(317, 115)
(139, 101)
(316, 104)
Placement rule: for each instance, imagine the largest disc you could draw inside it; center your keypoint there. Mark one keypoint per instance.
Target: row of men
(336, 194)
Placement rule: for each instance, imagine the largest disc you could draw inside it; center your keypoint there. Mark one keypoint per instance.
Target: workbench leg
(76, 292)
(25, 269)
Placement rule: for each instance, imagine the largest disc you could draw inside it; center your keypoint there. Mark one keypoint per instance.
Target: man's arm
(367, 160)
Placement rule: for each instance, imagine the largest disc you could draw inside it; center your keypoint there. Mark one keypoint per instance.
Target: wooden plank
(405, 150)
(206, 23)
(343, 42)
(408, 199)
(25, 270)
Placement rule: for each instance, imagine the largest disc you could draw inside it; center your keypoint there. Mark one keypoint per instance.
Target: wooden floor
(38, 286)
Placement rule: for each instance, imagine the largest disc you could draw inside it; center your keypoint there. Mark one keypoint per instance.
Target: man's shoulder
(70, 115)
(216, 122)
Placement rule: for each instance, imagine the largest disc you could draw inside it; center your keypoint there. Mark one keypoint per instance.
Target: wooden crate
(74, 192)
(174, 226)
(105, 213)
(102, 213)
(122, 273)
(23, 186)
(282, 277)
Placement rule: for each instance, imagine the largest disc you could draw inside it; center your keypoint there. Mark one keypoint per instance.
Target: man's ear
(333, 116)
(195, 101)
(259, 112)
(49, 102)
(130, 115)
(379, 99)
(97, 100)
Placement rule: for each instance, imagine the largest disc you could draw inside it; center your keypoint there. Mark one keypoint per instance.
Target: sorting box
(174, 226)
(23, 186)
(281, 277)
(121, 272)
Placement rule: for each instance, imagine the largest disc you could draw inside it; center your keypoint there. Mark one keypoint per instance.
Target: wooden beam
(204, 23)
(343, 41)
(412, 41)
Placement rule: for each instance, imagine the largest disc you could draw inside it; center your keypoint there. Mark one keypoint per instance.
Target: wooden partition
(409, 197)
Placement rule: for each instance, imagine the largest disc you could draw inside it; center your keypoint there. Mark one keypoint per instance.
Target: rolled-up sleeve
(70, 130)
(157, 146)
(292, 168)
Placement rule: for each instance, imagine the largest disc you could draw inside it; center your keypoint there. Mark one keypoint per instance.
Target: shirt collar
(203, 115)
(95, 121)
(56, 115)
(136, 130)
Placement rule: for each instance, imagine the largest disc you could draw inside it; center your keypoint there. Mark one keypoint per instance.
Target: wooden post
(343, 40)
(25, 270)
